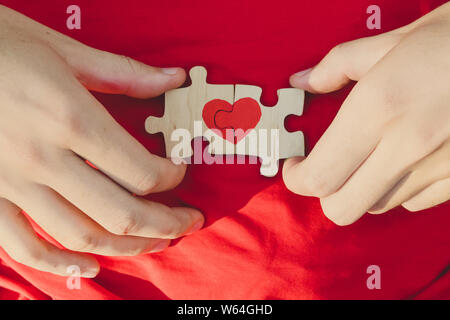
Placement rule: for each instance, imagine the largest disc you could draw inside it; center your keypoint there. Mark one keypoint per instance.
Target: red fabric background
(260, 240)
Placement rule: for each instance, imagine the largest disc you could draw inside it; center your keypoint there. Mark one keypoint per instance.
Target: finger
(401, 148)
(346, 142)
(345, 62)
(110, 73)
(103, 71)
(96, 136)
(437, 193)
(290, 174)
(433, 168)
(76, 231)
(19, 240)
(116, 209)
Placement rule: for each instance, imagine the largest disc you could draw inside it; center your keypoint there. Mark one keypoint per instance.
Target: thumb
(345, 62)
(110, 73)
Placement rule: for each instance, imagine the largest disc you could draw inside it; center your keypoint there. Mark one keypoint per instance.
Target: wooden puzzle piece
(184, 106)
(257, 130)
(280, 144)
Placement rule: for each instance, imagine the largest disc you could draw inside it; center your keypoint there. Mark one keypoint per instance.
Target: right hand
(49, 125)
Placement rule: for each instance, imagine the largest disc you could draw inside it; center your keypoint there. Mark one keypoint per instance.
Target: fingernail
(160, 246)
(90, 273)
(197, 226)
(169, 71)
(303, 73)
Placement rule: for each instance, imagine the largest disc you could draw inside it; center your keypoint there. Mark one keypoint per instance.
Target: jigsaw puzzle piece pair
(212, 111)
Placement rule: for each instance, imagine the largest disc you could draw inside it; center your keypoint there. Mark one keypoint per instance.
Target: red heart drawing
(220, 115)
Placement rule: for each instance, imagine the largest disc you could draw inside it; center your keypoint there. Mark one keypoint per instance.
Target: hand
(389, 144)
(49, 125)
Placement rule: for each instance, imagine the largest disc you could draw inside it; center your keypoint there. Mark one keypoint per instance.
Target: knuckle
(147, 183)
(386, 97)
(32, 160)
(28, 255)
(317, 185)
(127, 224)
(36, 159)
(337, 53)
(85, 242)
(69, 122)
(130, 64)
(62, 115)
(36, 254)
(428, 138)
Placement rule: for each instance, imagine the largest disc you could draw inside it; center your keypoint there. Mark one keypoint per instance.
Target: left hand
(389, 144)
